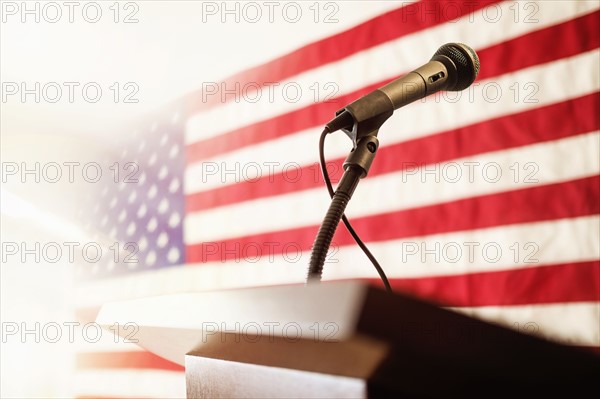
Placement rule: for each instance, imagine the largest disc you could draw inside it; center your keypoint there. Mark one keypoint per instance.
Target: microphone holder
(356, 167)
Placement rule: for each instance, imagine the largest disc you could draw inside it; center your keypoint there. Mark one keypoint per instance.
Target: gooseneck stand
(356, 167)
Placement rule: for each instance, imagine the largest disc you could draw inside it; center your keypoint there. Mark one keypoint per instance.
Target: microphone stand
(356, 167)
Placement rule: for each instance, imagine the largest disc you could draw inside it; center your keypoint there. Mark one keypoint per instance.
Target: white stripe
(123, 383)
(483, 250)
(403, 189)
(570, 323)
(409, 52)
(421, 118)
(567, 240)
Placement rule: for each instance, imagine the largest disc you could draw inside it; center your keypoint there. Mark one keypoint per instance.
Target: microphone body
(453, 67)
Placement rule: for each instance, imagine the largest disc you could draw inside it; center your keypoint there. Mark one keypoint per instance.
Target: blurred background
(153, 147)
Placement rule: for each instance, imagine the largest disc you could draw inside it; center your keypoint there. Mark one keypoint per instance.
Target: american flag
(484, 201)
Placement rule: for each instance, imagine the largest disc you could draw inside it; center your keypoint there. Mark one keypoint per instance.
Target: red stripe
(125, 360)
(539, 203)
(529, 127)
(572, 282)
(578, 35)
(383, 28)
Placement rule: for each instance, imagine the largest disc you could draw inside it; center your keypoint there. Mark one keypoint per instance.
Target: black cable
(360, 243)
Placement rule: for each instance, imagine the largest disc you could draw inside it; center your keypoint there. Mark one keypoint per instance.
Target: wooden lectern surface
(172, 325)
(345, 339)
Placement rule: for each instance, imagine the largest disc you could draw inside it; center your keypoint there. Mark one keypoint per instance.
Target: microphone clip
(363, 117)
(362, 155)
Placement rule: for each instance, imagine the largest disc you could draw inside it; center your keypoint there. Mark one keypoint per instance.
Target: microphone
(453, 67)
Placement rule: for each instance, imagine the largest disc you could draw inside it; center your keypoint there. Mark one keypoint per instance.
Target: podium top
(390, 335)
(173, 325)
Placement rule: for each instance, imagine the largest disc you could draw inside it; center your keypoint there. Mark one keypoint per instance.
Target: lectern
(345, 340)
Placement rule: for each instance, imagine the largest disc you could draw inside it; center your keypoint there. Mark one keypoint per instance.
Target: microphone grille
(466, 61)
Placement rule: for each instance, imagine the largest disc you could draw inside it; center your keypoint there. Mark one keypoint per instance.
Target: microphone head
(466, 61)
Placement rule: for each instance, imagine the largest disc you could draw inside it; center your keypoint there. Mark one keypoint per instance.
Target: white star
(152, 191)
(163, 206)
(174, 185)
(152, 224)
(174, 151)
(151, 258)
(130, 229)
(174, 219)
(142, 211)
(162, 240)
(173, 255)
(163, 172)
